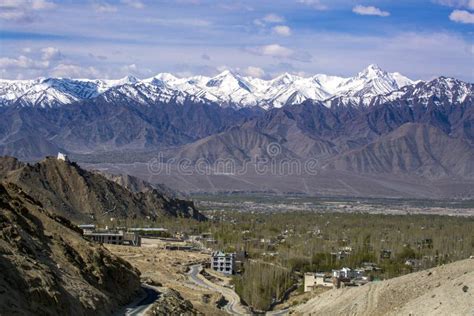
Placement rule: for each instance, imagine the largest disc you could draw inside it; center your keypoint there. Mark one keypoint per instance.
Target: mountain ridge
(135, 122)
(227, 89)
(81, 195)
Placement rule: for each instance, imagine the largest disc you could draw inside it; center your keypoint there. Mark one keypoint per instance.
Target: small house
(62, 157)
(313, 280)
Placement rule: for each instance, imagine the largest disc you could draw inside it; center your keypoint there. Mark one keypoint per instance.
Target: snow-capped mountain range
(375, 123)
(226, 89)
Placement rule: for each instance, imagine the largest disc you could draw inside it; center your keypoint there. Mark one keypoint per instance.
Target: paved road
(140, 308)
(233, 307)
(283, 312)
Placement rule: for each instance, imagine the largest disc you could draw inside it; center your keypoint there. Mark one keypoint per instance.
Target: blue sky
(111, 39)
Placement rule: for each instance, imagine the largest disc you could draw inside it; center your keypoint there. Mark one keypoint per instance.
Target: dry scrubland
(168, 269)
(444, 290)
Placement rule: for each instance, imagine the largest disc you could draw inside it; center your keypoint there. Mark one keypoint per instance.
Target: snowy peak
(227, 89)
(401, 80)
(161, 79)
(371, 72)
(228, 81)
(285, 79)
(369, 83)
(442, 90)
(125, 80)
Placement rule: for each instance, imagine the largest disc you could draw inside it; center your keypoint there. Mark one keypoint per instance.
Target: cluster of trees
(283, 245)
(262, 284)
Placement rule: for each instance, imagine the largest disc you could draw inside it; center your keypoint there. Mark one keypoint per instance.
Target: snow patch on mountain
(226, 89)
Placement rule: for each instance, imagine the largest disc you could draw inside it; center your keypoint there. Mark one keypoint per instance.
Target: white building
(87, 227)
(313, 280)
(347, 273)
(62, 157)
(223, 262)
(113, 237)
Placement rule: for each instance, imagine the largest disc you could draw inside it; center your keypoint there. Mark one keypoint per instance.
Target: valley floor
(444, 290)
(324, 183)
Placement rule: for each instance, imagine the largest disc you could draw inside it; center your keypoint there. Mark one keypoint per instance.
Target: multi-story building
(223, 262)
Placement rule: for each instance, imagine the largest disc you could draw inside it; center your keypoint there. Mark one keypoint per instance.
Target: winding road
(233, 307)
(140, 308)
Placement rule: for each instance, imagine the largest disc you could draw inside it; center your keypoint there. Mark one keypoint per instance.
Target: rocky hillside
(422, 131)
(8, 164)
(79, 195)
(414, 149)
(444, 290)
(49, 269)
(136, 185)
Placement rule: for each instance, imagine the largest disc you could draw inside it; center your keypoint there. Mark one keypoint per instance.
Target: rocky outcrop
(9, 164)
(170, 302)
(49, 269)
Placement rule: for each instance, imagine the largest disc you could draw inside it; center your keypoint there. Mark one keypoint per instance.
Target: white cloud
(28, 4)
(192, 22)
(23, 10)
(22, 62)
(278, 51)
(274, 50)
(462, 16)
(134, 70)
(104, 8)
(270, 18)
(468, 4)
(128, 69)
(50, 53)
(74, 71)
(222, 68)
(369, 10)
(42, 5)
(15, 15)
(137, 4)
(255, 72)
(416, 55)
(273, 18)
(315, 4)
(193, 2)
(282, 30)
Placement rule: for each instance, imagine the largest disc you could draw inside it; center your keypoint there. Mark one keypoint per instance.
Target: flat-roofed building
(223, 262)
(313, 280)
(114, 237)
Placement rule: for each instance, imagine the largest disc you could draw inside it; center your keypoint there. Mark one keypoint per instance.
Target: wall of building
(223, 263)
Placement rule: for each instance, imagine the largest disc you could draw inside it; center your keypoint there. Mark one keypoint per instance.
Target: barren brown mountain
(417, 149)
(49, 269)
(66, 189)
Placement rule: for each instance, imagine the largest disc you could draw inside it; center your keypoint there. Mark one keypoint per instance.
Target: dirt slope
(445, 290)
(47, 268)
